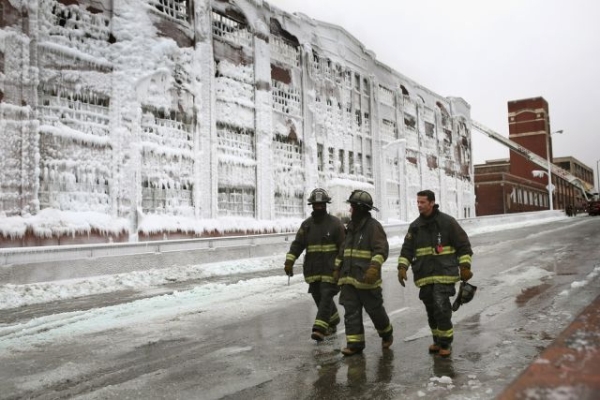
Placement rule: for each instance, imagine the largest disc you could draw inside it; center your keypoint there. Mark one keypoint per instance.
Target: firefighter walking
(358, 271)
(440, 254)
(321, 235)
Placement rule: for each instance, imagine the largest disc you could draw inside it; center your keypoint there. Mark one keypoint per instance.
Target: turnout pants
(327, 313)
(354, 300)
(436, 298)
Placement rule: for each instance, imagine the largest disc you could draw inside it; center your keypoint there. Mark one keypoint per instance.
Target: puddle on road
(530, 293)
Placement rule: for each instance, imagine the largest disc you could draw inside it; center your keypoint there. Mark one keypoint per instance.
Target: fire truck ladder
(534, 158)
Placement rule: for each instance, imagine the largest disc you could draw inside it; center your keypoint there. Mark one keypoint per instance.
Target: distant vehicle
(593, 207)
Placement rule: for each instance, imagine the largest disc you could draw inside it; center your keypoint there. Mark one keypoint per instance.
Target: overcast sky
(488, 52)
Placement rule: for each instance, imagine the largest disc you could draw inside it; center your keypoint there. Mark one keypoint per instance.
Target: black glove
(288, 267)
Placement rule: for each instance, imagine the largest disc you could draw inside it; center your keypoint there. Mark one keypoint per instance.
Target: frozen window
(163, 193)
(231, 30)
(357, 82)
(167, 128)
(342, 161)
(320, 158)
(359, 164)
(429, 129)
(286, 98)
(316, 62)
(447, 137)
(236, 143)
(78, 182)
(386, 96)
(83, 110)
(289, 206)
(351, 163)
(368, 167)
(331, 159)
(284, 51)
(357, 118)
(348, 79)
(366, 86)
(410, 121)
(176, 9)
(288, 172)
(73, 26)
(366, 124)
(236, 202)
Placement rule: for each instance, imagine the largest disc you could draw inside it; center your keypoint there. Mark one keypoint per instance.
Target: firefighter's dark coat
(366, 243)
(321, 237)
(435, 246)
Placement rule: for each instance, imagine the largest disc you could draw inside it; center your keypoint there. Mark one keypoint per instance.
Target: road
(222, 340)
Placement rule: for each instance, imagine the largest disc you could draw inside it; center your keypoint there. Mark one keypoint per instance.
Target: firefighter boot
(386, 342)
(445, 351)
(317, 335)
(434, 348)
(350, 351)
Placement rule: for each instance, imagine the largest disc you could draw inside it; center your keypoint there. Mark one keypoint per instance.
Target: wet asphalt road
(526, 297)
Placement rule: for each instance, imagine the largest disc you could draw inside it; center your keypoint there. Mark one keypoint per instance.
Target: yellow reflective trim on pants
(357, 284)
(446, 334)
(290, 257)
(357, 253)
(335, 317)
(386, 330)
(319, 278)
(437, 279)
(435, 333)
(321, 248)
(355, 338)
(320, 323)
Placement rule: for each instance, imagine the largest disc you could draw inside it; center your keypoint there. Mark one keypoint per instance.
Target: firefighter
(321, 235)
(358, 271)
(440, 253)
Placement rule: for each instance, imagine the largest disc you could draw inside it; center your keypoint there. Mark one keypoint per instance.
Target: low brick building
(509, 185)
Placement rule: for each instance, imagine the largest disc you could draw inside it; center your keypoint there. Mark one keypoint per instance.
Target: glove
(336, 275)
(289, 268)
(371, 275)
(402, 274)
(465, 272)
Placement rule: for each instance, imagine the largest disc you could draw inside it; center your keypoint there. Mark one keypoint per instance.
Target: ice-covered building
(121, 118)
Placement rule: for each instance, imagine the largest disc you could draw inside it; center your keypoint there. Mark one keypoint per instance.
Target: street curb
(568, 368)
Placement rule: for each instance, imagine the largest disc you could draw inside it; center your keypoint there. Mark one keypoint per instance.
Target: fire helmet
(466, 292)
(319, 196)
(361, 198)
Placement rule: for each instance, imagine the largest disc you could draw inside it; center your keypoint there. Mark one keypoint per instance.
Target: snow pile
(51, 222)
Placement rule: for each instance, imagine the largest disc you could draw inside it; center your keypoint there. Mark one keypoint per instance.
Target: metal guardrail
(39, 264)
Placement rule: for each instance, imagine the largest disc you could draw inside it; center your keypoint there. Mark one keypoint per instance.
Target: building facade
(198, 110)
(509, 186)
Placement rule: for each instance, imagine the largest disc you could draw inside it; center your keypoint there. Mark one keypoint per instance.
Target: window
(342, 161)
(236, 201)
(231, 30)
(410, 121)
(320, 158)
(176, 9)
(429, 129)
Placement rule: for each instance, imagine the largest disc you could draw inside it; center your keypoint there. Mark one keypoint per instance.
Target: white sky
(488, 53)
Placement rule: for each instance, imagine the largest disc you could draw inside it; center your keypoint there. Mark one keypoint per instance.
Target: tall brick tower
(529, 126)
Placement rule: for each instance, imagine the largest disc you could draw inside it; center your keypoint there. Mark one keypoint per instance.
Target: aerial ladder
(534, 158)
